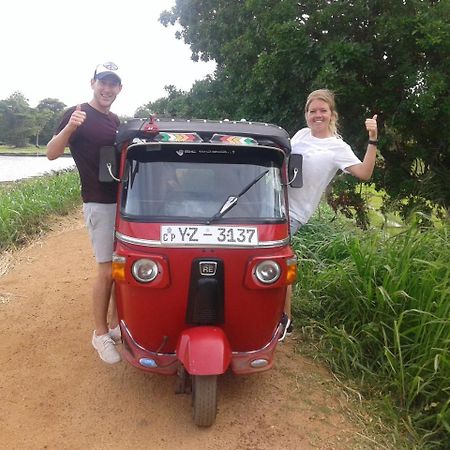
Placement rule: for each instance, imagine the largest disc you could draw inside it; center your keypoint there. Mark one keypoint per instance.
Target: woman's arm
(364, 170)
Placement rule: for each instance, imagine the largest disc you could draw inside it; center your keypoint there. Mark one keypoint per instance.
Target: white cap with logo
(107, 69)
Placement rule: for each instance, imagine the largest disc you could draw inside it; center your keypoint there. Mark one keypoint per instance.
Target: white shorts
(294, 226)
(100, 221)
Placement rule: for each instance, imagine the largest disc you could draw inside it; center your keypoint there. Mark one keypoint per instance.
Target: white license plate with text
(208, 235)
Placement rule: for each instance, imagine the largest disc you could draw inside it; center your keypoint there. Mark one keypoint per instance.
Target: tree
(41, 119)
(389, 57)
(16, 120)
(19, 123)
(48, 114)
(169, 106)
(206, 98)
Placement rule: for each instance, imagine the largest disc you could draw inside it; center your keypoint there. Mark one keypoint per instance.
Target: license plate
(208, 235)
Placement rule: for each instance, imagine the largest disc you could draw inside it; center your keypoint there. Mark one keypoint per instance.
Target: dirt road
(55, 393)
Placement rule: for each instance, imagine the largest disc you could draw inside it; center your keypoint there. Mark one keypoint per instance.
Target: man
(85, 129)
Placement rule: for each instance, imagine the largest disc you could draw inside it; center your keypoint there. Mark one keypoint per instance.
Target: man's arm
(57, 144)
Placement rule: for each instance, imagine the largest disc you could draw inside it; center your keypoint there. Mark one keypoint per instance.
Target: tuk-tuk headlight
(268, 272)
(144, 270)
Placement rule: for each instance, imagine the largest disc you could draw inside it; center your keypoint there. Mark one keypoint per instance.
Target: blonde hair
(328, 97)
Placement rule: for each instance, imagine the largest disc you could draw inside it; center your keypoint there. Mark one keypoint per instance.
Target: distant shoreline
(39, 155)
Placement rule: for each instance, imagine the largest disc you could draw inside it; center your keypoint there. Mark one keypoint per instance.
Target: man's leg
(99, 220)
(114, 329)
(101, 297)
(113, 315)
(101, 339)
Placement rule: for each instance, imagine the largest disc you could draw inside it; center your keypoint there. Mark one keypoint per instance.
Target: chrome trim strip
(149, 243)
(274, 337)
(137, 241)
(140, 346)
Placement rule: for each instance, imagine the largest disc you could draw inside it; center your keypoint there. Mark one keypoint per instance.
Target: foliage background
(389, 57)
(384, 57)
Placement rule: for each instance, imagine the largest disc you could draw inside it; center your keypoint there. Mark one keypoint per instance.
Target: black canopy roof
(264, 133)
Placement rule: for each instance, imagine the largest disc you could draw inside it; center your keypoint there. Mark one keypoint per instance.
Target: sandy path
(55, 393)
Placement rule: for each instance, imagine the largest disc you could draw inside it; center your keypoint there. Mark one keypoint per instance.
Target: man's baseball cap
(107, 69)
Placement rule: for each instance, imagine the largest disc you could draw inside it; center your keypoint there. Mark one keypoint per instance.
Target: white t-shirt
(322, 158)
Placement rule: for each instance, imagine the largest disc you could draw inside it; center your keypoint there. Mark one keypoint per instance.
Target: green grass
(379, 308)
(26, 205)
(31, 150)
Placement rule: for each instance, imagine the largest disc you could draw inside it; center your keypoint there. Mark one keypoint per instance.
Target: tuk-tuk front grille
(206, 292)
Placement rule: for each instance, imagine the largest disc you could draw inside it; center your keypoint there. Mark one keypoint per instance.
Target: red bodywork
(154, 315)
(156, 335)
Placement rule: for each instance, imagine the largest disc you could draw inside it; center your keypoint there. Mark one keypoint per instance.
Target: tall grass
(381, 308)
(25, 205)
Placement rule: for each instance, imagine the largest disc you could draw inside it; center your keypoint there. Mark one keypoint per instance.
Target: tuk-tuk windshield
(196, 187)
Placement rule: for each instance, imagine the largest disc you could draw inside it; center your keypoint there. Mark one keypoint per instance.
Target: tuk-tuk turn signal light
(291, 272)
(118, 267)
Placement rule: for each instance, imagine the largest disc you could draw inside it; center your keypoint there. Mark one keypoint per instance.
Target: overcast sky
(49, 48)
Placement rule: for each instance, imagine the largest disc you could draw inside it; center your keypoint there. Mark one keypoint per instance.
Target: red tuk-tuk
(202, 255)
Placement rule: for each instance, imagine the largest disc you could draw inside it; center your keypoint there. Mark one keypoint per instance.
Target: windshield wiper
(232, 200)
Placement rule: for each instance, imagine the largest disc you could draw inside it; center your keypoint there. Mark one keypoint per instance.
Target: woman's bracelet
(372, 142)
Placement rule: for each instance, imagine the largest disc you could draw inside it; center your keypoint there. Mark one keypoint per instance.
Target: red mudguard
(204, 350)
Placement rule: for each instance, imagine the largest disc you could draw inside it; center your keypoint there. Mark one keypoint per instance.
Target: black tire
(204, 399)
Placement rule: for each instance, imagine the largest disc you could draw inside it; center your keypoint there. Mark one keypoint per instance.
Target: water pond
(14, 168)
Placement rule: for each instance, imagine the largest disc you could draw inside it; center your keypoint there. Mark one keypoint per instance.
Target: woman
(324, 153)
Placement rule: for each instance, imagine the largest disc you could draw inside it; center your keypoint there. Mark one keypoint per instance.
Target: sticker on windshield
(234, 140)
(177, 137)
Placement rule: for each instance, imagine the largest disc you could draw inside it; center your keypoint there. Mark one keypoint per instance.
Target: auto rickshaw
(202, 254)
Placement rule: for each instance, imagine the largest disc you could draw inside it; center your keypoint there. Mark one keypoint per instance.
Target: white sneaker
(106, 348)
(115, 334)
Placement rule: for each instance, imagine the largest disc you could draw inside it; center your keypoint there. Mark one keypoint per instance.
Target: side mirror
(108, 170)
(295, 176)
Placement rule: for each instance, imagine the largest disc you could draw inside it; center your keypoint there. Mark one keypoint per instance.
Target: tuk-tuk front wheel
(204, 399)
